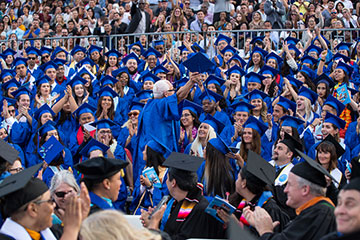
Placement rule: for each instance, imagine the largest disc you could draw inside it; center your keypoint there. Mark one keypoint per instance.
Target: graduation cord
(140, 201)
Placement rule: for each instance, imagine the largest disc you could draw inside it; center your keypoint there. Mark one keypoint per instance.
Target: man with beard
(132, 62)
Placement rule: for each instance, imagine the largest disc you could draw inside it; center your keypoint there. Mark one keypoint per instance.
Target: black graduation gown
(198, 224)
(311, 224)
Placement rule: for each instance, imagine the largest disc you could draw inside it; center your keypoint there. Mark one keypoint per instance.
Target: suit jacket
(135, 19)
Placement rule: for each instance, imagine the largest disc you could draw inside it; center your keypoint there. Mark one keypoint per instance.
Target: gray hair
(315, 189)
(64, 176)
(160, 87)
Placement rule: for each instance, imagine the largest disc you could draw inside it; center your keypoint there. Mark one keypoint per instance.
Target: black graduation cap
(260, 168)
(21, 188)
(338, 148)
(311, 170)
(292, 143)
(354, 184)
(235, 231)
(7, 152)
(183, 162)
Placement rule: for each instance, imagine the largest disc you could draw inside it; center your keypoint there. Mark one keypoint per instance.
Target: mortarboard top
(151, 51)
(106, 92)
(309, 94)
(158, 43)
(116, 72)
(7, 72)
(18, 61)
(199, 62)
(93, 145)
(291, 40)
(236, 230)
(339, 149)
(42, 80)
(324, 78)
(183, 48)
(21, 188)
(45, 50)
(255, 124)
(86, 60)
(212, 79)
(130, 56)
(94, 48)
(76, 49)
(113, 53)
(256, 94)
(214, 123)
(48, 65)
(7, 152)
(335, 103)
(309, 60)
(292, 144)
(293, 81)
(10, 101)
(160, 69)
(235, 69)
(261, 51)
(294, 48)
(8, 52)
(158, 147)
(269, 70)
(99, 168)
(148, 76)
(242, 106)
(32, 50)
(76, 80)
(220, 145)
(137, 106)
(103, 123)
(290, 121)
(254, 77)
(339, 56)
(191, 106)
(222, 37)
(144, 94)
(313, 48)
(343, 46)
(236, 57)
(138, 43)
(260, 168)
(257, 39)
(11, 83)
(83, 70)
(352, 91)
(197, 48)
(286, 103)
(338, 122)
(21, 91)
(273, 55)
(84, 108)
(345, 67)
(51, 150)
(108, 80)
(58, 50)
(43, 109)
(311, 170)
(229, 48)
(354, 184)
(183, 162)
(317, 38)
(179, 83)
(48, 126)
(59, 61)
(210, 95)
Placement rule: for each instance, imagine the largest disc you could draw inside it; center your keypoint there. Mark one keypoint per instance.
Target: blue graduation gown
(20, 133)
(227, 133)
(352, 139)
(68, 127)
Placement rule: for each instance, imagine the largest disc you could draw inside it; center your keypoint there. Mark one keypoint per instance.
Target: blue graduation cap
(214, 123)
(138, 43)
(309, 72)
(19, 61)
(159, 147)
(43, 109)
(241, 106)
(261, 51)
(325, 39)
(47, 127)
(130, 56)
(8, 52)
(32, 50)
(230, 49)
(255, 124)
(118, 71)
(343, 46)
(11, 83)
(76, 80)
(210, 95)
(83, 70)
(103, 123)
(269, 70)
(197, 48)
(235, 69)
(256, 94)
(45, 50)
(291, 40)
(93, 145)
(182, 48)
(199, 63)
(293, 81)
(220, 145)
(94, 48)
(254, 77)
(236, 57)
(313, 48)
(148, 76)
(352, 90)
(335, 103)
(158, 43)
(222, 37)
(144, 94)
(42, 80)
(137, 106)
(107, 91)
(323, 78)
(50, 150)
(257, 39)
(274, 56)
(59, 61)
(159, 69)
(21, 91)
(113, 53)
(76, 49)
(10, 102)
(108, 80)
(7, 72)
(294, 48)
(338, 122)
(181, 82)
(309, 60)
(345, 67)
(212, 79)
(286, 103)
(48, 65)
(309, 94)
(290, 121)
(191, 106)
(151, 51)
(86, 60)
(84, 108)
(58, 50)
(339, 56)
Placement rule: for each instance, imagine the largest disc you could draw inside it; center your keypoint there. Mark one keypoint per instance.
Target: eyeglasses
(105, 131)
(133, 114)
(186, 115)
(187, 3)
(16, 170)
(136, 49)
(51, 201)
(45, 56)
(62, 194)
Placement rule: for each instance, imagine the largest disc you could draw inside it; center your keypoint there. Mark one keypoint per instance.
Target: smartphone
(348, 166)
(164, 200)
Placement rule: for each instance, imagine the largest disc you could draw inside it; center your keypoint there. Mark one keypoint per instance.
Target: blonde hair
(111, 225)
(196, 143)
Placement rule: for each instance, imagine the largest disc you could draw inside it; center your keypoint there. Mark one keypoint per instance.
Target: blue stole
(265, 196)
(166, 214)
(100, 202)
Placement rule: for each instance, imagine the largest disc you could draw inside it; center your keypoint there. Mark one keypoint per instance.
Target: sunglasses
(62, 194)
(133, 114)
(136, 49)
(31, 58)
